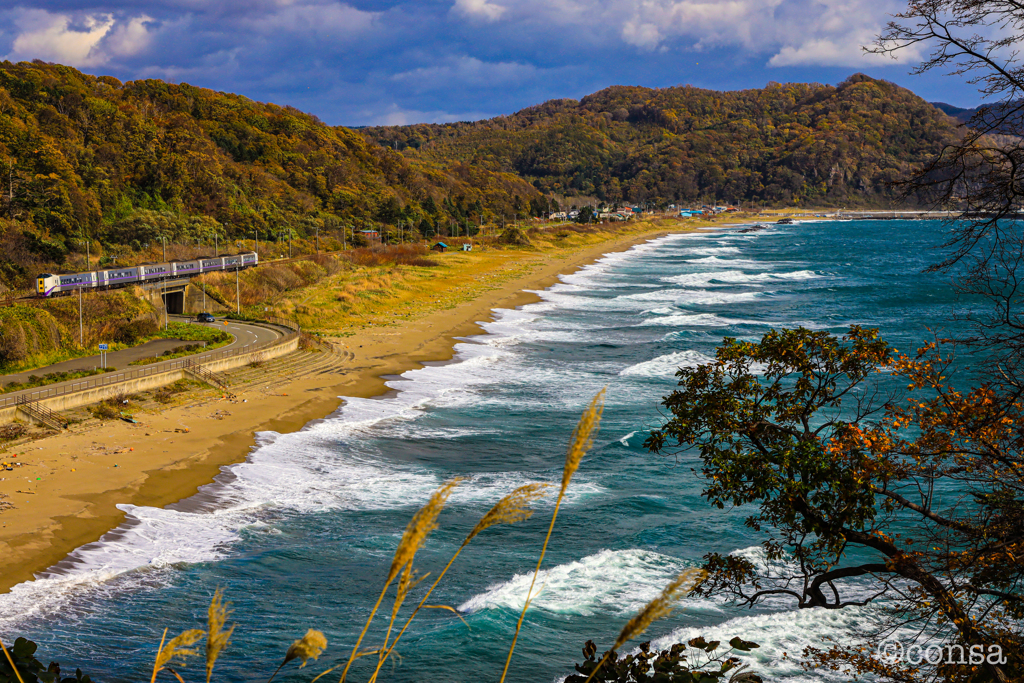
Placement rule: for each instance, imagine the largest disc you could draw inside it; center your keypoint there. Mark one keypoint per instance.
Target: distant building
(440, 246)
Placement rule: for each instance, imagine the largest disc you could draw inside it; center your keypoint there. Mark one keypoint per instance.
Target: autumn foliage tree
(907, 498)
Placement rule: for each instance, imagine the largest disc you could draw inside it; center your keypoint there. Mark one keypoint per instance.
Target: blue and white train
(57, 285)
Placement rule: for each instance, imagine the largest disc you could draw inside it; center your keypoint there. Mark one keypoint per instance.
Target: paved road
(243, 333)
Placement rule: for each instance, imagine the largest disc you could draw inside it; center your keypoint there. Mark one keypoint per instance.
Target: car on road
(205, 318)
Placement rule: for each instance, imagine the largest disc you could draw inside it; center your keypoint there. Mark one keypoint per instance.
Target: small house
(440, 246)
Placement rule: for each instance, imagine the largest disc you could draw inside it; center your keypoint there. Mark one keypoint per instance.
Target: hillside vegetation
(785, 144)
(123, 165)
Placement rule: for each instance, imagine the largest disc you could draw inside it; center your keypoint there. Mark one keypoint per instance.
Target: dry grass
(582, 440)
(423, 522)
(386, 255)
(377, 286)
(513, 508)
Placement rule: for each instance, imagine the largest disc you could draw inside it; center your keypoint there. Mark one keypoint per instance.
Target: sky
(376, 62)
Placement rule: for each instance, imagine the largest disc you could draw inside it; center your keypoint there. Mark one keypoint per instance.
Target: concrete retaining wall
(148, 383)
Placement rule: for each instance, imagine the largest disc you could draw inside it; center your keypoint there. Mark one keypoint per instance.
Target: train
(49, 285)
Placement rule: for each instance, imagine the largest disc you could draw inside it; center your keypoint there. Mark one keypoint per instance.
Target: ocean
(301, 535)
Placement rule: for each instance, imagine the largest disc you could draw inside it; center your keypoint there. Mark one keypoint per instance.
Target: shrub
(131, 332)
(11, 431)
(104, 411)
(398, 254)
(30, 669)
(513, 236)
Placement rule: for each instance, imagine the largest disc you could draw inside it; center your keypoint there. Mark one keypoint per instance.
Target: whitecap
(665, 366)
(619, 582)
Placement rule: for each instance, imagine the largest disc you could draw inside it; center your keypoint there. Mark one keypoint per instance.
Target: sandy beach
(66, 493)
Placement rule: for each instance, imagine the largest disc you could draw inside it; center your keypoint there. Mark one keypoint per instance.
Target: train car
(119, 277)
(55, 285)
(155, 271)
(209, 264)
(185, 268)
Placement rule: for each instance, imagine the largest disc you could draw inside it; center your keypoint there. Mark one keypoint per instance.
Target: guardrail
(143, 371)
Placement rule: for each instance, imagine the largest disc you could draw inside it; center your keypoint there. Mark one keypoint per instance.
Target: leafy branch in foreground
(679, 664)
(921, 502)
(19, 665)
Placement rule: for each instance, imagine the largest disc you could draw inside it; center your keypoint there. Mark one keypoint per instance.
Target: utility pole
(163, 240)
(318, 240)
(81, 326)
(216, 245)
(238, 296)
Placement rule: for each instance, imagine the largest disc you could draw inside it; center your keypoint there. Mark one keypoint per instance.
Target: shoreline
(72, 501)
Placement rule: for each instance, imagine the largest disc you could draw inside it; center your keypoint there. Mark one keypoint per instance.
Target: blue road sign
(103, 347)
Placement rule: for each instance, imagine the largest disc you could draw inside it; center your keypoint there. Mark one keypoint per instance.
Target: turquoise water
(301, 534)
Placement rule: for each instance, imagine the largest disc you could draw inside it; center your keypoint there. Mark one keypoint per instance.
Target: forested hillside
(787, 143)
(123, 164)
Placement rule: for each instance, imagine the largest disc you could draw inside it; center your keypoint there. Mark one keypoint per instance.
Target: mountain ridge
(785, 143)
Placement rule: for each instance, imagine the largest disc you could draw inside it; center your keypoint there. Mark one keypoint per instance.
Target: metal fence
(108, 379)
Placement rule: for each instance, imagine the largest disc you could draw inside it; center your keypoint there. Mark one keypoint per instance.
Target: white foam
(692, 296)
(723, 278)
(665, 367)
(701, 320)
(778, 633)
(618, 582)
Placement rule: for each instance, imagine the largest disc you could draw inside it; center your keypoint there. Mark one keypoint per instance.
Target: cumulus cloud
(84, 40)
(782, 32)
(482, 10)
(52, 37)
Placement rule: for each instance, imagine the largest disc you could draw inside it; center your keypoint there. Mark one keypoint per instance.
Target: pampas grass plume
(658, 608)
(420, 526)
(513, 508)
(582, 438)
(310, 646)
(178, 647)
(217, 637)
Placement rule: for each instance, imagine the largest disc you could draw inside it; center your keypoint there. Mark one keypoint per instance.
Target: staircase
(205, 374)
(41, 414)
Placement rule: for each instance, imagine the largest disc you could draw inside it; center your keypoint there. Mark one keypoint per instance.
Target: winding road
(244, 334)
